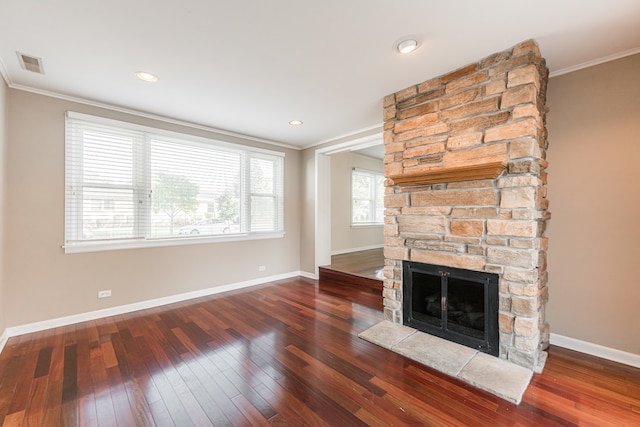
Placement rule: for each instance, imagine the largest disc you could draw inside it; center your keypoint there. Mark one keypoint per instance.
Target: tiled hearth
(497, 376)
(465, 162)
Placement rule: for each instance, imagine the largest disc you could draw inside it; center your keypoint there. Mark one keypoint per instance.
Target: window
(134, 186)
(367, 197)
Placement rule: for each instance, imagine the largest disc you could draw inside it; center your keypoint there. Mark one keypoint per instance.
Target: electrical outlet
(104, 294)
(262, 268)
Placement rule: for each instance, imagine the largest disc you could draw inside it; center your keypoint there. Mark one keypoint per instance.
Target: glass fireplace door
(452, 303)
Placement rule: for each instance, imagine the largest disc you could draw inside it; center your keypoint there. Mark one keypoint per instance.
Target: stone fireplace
(466, 188)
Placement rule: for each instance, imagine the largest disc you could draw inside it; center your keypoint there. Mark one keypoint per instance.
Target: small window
(367, 197)
(133, 186)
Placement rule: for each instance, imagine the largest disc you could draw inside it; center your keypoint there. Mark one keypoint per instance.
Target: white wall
(594, 172)
(3, 145)
(308, 195)
(344, 237)
(41, 282)
(308, 216)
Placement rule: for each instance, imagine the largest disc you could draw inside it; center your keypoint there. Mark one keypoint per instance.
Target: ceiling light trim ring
(407, 46)
(146, 76)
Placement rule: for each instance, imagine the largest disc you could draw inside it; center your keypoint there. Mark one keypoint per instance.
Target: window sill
(368, 225)
(99, 246)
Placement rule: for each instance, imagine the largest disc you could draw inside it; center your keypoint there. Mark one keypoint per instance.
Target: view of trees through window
(174, 196)
(195, 190)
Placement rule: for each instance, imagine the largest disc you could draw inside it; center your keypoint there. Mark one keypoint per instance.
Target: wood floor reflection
(282, 354)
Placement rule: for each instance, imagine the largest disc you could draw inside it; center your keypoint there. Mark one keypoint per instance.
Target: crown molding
(595, 62)
(349, 136)
(143, 114)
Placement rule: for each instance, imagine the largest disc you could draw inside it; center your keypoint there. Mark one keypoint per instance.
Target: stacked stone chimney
(465, 162)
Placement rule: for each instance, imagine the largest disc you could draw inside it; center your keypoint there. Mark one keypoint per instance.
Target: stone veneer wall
(490, 111)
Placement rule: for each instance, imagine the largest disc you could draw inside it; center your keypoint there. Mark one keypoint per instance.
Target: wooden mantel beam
(451, 174)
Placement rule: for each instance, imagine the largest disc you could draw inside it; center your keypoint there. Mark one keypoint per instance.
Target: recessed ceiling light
(147, 77)
(295, 122)
(407, 46)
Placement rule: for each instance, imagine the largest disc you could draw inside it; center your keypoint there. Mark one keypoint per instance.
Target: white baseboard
(122, 309)
(3, 339)
(597, 350)
(363, 248)
(309, 275)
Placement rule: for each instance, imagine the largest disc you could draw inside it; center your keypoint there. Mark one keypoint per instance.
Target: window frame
(373, 175)
(141, 188)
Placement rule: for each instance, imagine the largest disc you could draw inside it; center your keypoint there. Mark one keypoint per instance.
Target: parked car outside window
(209, 226)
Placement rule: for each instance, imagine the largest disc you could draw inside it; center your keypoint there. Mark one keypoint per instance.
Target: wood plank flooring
(282, 354)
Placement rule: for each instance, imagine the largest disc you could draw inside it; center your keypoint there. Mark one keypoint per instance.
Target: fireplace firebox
(452, 303)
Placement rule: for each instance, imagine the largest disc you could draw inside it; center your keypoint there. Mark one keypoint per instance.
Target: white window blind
(367, 197)
(132, 186)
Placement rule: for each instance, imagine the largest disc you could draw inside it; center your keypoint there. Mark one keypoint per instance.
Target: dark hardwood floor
(282, 354)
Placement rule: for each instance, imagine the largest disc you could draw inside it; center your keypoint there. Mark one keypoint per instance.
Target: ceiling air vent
(31, 63)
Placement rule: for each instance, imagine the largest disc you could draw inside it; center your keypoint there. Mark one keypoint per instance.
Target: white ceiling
(250, 66)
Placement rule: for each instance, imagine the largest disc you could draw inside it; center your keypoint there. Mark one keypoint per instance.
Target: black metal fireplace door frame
(491, 342)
